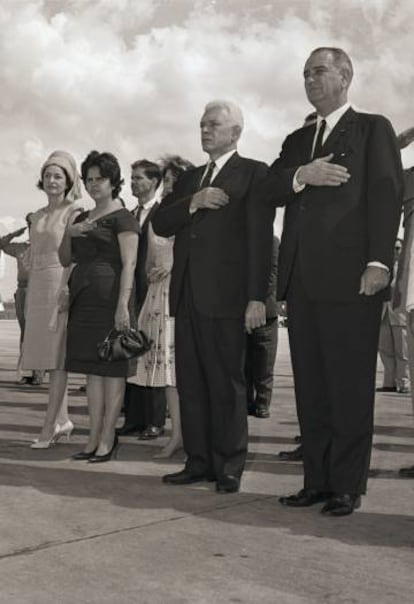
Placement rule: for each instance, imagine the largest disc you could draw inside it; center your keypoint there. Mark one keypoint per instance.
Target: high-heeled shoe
(107, 456)
(65, 429)
(46, 444)
(83, 455)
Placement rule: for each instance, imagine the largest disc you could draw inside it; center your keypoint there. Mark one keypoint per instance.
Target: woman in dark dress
(103, 245)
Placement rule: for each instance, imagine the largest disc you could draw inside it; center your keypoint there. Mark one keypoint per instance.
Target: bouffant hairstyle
(69, 183)
(175, 164)
(108, 167)
(150, 168)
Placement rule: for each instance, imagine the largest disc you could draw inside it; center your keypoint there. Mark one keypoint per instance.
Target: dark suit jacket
(271, 298)
(339, 229)
(226, 251)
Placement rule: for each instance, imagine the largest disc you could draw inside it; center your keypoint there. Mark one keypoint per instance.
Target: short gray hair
(340, 58)
(233, 111)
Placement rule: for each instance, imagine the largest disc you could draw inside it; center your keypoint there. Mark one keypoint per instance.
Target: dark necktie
(318, 145)
(137, 213)
(206, 180)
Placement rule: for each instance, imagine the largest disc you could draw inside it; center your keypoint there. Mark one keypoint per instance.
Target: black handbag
(123, 345)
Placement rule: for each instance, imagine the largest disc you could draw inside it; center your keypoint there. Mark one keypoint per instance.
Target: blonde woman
(44, 341)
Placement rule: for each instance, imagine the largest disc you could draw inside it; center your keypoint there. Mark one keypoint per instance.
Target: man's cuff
(379, 265)
(297, 188)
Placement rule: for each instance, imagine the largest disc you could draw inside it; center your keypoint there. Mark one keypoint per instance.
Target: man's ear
(236, 132)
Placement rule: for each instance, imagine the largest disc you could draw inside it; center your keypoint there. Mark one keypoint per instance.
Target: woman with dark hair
(103, 243)
(45, 328)
(157, 367)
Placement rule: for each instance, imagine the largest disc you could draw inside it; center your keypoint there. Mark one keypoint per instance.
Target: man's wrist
(298, 184)
(192, 208)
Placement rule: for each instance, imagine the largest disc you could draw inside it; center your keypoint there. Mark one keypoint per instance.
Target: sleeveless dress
(44, 342)
(93, 294)
(156, 368)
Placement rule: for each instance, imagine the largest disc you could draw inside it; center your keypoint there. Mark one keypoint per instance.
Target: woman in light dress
(157, 367)
(44, 342)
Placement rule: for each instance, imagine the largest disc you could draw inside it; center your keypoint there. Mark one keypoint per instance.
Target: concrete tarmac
(113, 533)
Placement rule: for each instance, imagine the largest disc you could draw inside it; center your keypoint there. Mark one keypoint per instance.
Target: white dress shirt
(147, 207)
(220, 162)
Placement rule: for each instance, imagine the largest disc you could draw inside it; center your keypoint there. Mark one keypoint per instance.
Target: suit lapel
(225, 173)
(306, 146)
(340, 133)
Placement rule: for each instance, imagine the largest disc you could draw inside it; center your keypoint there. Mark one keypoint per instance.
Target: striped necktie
(206, 180)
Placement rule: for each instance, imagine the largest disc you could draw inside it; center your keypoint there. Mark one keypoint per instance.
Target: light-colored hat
(64, 160)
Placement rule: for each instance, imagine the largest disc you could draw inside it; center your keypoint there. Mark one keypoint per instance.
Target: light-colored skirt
(156, 368)
(44, 342)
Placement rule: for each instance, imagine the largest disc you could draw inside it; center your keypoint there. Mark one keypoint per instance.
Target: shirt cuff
(379, 265)
(297, 188)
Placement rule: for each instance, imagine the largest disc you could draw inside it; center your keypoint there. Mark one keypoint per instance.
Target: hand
(158, 273)
(121, 318)
(373, 280)
(63, 300)
(321, 173)
(255, 315)
(406, 137)
(281, 309)
(80, 229)
(210, 198)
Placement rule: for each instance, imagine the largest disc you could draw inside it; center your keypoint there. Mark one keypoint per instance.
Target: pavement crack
(27, 551)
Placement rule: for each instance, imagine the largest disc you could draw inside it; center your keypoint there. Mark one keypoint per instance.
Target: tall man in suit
(144, 407)
(261, 348)
(336, 254)
(222, 253)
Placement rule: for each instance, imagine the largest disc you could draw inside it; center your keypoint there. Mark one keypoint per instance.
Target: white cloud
(132, 76)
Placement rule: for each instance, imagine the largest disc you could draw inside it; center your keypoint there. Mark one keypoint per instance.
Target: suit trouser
(334, 353)
(261, 348)
(211, 385)
(393, 350)
(144, 406)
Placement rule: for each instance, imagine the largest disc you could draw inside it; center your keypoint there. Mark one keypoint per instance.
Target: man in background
(145, 406)
(20, 250)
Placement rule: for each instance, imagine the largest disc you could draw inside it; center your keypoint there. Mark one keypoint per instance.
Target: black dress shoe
(251, 410)
(386, 389)
(227, 483)
(262, 412)
(184, 477)
(127, 429)
(151, 432)
(295, 455)
(83, 455)
(406, 472)
(305, 498)
(341, 505)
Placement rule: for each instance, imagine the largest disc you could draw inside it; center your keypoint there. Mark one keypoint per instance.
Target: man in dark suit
(144, 407)
(336, 253)
(222, 253)
(261, 348)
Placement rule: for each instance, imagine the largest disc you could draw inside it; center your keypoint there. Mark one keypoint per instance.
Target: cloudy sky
(132, 77)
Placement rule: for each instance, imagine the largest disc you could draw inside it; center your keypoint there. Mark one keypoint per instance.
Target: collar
(148, 204)
(223, 159)
(333, 118)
